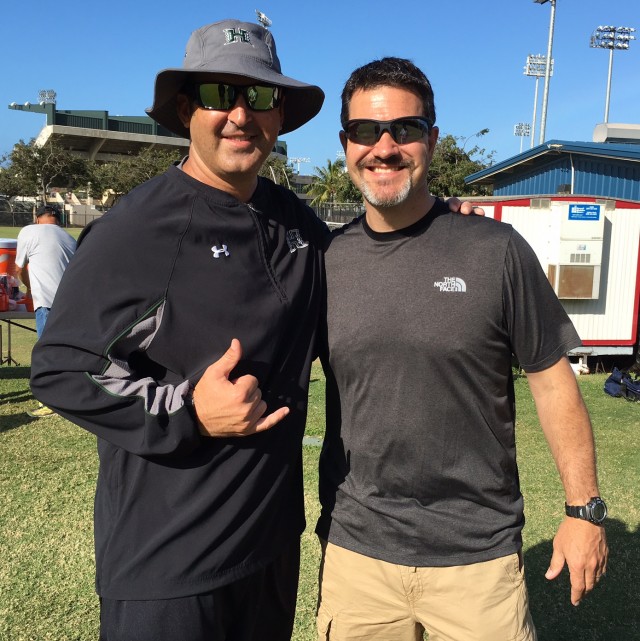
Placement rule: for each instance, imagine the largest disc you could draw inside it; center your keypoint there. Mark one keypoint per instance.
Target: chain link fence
(15, 213)
(19, 214)
(339, 213)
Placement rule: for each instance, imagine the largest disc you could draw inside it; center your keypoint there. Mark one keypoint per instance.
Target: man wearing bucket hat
(47, 249)
(197, 531)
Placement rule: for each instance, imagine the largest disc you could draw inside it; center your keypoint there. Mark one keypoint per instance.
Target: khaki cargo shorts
(362, 598)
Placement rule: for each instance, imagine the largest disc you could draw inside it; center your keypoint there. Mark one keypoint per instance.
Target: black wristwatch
(594, 511)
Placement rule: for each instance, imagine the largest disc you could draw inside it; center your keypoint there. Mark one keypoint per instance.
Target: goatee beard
(389, 200)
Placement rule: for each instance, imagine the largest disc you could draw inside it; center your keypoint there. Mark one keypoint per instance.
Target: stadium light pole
(611, 38)
(298, 161)
(536, 66)
(521, 129)
(547, 75)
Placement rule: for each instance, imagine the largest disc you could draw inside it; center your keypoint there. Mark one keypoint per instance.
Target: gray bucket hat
(238, 51)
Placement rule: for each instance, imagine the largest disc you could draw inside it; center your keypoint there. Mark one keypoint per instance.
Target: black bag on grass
(613, 384)
(621, 384)
(632, 387)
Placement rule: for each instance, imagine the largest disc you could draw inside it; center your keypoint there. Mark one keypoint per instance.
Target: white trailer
(590, 250)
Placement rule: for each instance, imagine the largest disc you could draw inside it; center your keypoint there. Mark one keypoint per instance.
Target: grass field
(47, 478)
(12, 232)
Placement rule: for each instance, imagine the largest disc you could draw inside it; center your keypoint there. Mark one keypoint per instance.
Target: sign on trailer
(584, 212)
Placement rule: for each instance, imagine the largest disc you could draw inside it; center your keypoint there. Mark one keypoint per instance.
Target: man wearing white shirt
(47, 249)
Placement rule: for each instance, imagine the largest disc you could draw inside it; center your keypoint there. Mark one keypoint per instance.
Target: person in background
(43, 252)
(422, 513)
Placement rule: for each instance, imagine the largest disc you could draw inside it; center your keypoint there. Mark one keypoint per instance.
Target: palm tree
(328, 182)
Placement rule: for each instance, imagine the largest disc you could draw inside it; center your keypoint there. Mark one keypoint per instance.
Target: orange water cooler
(8, 256)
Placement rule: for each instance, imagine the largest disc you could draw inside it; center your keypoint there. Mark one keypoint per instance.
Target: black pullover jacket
(156, 291)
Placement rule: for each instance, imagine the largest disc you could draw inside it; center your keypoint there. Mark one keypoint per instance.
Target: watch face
(598, 511)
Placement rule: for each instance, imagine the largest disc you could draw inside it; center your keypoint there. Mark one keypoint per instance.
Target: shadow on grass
(14, 422)
(611, 612)
(14, 386)
(17, 396)
(10, 372)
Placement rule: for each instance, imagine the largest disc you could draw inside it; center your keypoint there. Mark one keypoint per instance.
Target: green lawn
(12, 232)
(47, 477)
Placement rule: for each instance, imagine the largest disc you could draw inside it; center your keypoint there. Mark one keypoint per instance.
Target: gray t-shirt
(419, 461)
(48, 249)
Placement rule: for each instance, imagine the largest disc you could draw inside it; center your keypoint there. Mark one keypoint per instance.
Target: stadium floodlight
(536, 66)
(521, 129)
(47, 96)
(611, 38)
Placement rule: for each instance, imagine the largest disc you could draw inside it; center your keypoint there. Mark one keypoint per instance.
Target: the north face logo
(451, 284)
(237, 35)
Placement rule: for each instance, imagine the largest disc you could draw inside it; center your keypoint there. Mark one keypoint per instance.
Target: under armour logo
(294, 240)
(237, 35)
(218, 252)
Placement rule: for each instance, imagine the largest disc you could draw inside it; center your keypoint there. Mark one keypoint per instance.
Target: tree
(326, 182)
(332, 184)
(451, 164)
(30, 169)
(347, 191)
(122, 175)
(12, 184)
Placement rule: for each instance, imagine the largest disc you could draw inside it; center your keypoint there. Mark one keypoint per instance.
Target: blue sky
(106, 56)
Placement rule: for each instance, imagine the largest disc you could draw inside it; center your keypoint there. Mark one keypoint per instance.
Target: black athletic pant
(258, 607)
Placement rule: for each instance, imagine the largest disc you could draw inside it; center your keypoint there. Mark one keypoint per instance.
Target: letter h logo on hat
(237, 35)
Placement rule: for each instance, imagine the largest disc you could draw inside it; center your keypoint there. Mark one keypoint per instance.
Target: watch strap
(595, 511)
(576, 511)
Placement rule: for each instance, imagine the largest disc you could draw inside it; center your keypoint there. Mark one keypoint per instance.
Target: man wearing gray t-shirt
(422, 512)
(47, 249)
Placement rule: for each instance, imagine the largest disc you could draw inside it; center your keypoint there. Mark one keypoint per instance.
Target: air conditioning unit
(576, 272)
